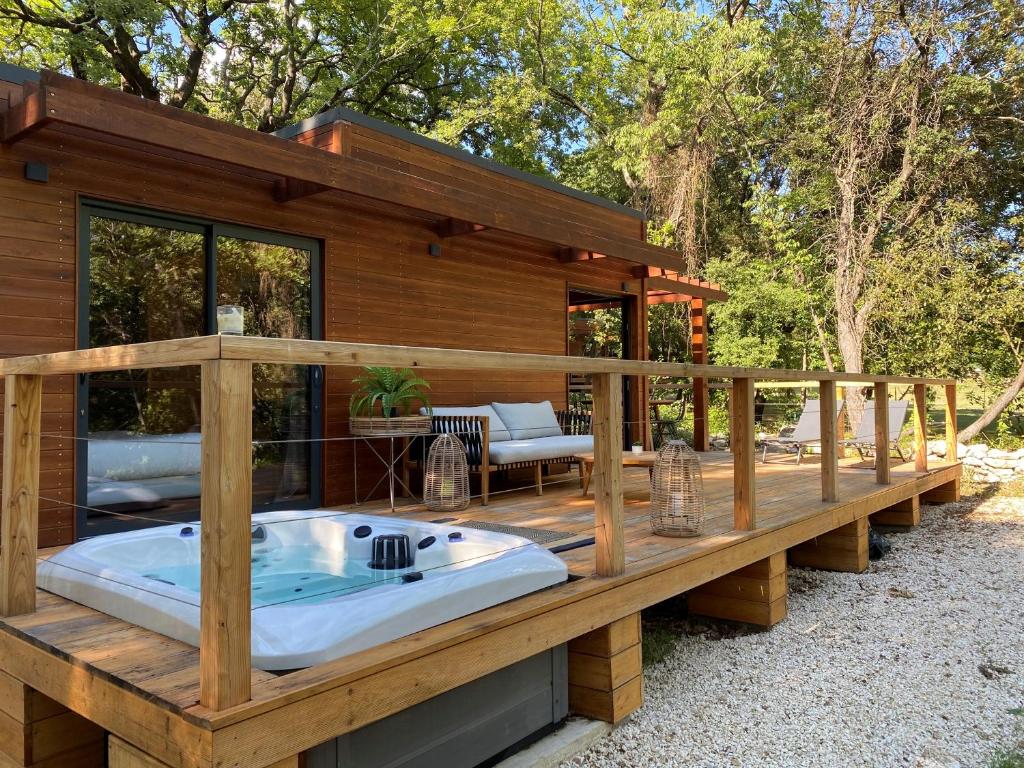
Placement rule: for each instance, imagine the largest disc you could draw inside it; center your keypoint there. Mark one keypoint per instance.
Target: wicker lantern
(677, 492)
(446, 484)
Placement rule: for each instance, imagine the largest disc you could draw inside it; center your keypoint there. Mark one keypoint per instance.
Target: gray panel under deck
(463, 727)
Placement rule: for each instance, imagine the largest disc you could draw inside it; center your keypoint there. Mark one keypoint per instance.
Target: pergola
(663, 286)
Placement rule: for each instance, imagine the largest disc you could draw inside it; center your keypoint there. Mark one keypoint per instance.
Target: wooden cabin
(124, 221)
(125, 226)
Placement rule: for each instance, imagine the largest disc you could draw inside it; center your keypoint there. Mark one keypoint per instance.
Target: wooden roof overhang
(299, 170)
(665, 286)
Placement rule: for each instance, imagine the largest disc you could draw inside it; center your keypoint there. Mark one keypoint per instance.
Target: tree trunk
(993, 411)
(850, 331)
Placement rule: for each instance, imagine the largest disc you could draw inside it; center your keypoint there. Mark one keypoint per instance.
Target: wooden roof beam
(25, 117)
(451, 227)
(571, 255)
(700, 289)
(286, 190)
(669, 298)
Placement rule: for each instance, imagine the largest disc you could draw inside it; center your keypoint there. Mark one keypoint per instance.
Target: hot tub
(325, 584)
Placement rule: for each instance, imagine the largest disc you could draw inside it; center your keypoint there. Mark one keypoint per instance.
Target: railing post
(19, 517)
(882, 475)
(951, 425)
(610, 549)
(829, 441)
(225, 655)
(744, 496)
(920, 428)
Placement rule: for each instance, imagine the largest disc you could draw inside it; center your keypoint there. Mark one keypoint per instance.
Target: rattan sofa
(488, 450)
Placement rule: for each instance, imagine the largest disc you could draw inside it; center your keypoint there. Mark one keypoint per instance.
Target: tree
(260, 63)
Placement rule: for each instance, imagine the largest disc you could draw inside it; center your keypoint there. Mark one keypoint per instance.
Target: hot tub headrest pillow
(526, 421)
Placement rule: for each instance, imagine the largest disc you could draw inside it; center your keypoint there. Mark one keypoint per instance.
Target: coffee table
(629, 459)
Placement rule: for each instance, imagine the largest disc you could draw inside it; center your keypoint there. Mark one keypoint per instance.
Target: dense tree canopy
(851, 170)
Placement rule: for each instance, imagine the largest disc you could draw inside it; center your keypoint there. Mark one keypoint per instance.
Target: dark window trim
(626, 306)
(211, 230)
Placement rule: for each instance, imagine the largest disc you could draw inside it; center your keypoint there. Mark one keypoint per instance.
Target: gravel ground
(914, 663)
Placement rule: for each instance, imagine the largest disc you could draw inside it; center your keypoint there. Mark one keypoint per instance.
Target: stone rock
(1000, 462)
(977, 450)
(937, 448)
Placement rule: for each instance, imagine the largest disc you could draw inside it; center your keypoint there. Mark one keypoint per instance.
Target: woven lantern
(677, 492)
(446, 484)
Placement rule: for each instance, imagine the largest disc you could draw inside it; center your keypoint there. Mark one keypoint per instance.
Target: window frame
(211, 230)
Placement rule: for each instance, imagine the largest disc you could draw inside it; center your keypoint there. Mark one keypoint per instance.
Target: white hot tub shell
(315, 596)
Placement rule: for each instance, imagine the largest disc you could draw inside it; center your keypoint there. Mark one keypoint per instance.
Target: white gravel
(914, 663)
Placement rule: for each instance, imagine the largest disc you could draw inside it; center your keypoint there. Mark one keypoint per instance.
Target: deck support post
(19, 516)
(225, 655)
(756, 594)
(829, 442)
(951, 425)
(943, 494)
(843, 549)
(906, 512)
(609, 536)
(35, 731)
(699, 354)
(920, 428)
(882, 474)
(605, 671)
(744, 495)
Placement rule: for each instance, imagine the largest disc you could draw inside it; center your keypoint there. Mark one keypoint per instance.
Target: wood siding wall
(486, 290)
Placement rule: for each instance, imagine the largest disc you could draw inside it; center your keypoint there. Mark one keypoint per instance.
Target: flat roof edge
(350, 115)
(12, 73)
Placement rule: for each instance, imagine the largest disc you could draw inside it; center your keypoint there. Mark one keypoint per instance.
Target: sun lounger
(806, 432)
(864, 440)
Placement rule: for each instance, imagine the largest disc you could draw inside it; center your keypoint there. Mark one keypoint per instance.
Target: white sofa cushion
(527, 421)
(540, 448)
(498, 431)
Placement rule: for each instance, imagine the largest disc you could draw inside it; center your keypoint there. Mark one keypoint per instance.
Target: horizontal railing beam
(151, 354)
(176, 352)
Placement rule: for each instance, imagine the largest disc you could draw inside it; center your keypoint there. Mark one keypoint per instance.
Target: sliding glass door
(147, 277)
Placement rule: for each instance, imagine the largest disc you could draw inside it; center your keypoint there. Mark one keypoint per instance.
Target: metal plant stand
(391, 462)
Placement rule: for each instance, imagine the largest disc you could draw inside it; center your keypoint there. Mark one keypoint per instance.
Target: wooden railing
(226, 469)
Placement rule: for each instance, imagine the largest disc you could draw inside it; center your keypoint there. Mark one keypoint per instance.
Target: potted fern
(386, 402)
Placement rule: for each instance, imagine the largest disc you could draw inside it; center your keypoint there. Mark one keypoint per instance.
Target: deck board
(166, 672)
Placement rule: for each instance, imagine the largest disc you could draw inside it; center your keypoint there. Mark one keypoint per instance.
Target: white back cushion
(498, 430)
(529, 420)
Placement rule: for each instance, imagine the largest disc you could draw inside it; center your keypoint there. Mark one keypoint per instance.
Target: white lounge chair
(864, 439)
(806, 432)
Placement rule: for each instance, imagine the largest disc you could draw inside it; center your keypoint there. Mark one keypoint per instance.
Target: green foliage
(394, 389)
(851, 172)
(1008, 758)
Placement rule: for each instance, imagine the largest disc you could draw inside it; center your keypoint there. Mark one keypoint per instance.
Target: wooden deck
(144, 687)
